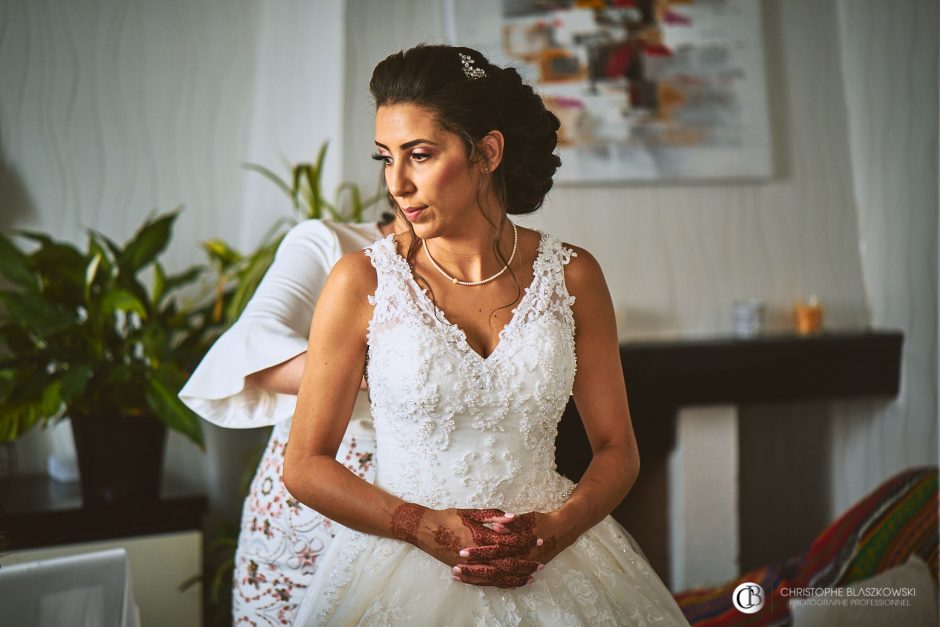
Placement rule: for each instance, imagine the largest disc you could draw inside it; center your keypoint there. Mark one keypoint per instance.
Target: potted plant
(241, 273)
(81, 335)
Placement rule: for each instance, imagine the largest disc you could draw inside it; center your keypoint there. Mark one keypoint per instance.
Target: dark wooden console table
(663, 376)
(37, 512)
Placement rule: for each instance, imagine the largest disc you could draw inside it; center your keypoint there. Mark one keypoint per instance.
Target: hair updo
(433, 77)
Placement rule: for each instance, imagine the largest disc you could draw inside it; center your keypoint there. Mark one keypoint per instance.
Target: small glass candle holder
(808, 316)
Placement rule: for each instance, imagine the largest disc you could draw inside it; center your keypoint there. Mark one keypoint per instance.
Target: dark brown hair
(433, 77)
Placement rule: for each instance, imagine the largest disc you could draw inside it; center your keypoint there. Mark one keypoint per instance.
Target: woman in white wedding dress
(473, 334)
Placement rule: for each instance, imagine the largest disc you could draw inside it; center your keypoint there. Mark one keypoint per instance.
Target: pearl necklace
(456, 281)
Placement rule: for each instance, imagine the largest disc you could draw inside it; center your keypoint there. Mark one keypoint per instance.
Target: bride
(468, 328)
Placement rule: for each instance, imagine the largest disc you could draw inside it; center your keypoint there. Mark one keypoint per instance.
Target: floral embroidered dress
(454, 429)
(281, 540)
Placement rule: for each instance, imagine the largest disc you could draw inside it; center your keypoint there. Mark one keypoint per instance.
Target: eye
(384, 158)
(420, 156)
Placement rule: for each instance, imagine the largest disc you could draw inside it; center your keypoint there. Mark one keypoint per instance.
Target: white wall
(111, 108)
(889, 62)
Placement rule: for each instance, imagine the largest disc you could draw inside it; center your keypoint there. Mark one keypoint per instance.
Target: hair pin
(469, 68)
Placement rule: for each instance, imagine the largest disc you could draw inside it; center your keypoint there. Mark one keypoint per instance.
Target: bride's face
(426, 170)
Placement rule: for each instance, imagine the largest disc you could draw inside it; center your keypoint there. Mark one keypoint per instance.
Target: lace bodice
(455, 429)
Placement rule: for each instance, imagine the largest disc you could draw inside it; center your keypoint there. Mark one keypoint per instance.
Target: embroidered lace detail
(434, 397)
(454, 429)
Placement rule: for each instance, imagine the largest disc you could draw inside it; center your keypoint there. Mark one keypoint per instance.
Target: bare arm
(335, 361)
(284, 378)
(601, 397)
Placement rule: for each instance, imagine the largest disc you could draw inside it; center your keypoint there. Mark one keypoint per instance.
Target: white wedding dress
(454, 429)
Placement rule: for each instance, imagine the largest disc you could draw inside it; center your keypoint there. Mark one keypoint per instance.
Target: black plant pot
(120, 458)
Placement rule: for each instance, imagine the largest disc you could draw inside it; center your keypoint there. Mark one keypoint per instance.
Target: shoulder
(583, 273)
(354, 275)
(312, 235)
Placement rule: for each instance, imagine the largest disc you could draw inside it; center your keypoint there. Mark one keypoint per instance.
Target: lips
(413, 213)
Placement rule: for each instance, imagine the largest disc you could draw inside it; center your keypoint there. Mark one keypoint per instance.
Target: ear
(491, 150)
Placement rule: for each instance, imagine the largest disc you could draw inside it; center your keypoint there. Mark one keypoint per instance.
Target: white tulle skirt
(602, 579)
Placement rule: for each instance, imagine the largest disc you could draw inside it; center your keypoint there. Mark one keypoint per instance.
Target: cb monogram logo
(748, 598)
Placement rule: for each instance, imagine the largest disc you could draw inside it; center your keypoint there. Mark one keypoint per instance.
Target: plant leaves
(123, 300)
(32, 311)
(90, 273)
(18, 418)
(170, 409)
(149, 241)
(74, 380)
(271, 176)
(159, 284)
(14, 264)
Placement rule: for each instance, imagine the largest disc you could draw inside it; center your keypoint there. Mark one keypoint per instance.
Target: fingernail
(539, 542)
(531, 579)
(455, 578)
(456, 570)
(464, 553)
(540, 567)
(508, 515)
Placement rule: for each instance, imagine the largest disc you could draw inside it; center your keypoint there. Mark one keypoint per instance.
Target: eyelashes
(416, 156)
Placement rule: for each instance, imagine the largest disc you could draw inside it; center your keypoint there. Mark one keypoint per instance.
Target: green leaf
(18, 418)
(250, 277)
(271, 176)
(149, 241)
(159, 284)
(221, 252)
(90, 273)
(97, 248)
(74, 381)
(170, 409)
(33, 312)
(14, 264)
(176, 281)
(120, 299)
(51, 401)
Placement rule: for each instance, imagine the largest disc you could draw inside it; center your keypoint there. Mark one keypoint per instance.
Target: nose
(398, 180)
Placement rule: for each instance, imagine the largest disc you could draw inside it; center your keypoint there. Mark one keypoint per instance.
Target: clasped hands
(485, 547)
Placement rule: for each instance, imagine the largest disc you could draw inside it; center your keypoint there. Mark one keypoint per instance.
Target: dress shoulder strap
(548, 281)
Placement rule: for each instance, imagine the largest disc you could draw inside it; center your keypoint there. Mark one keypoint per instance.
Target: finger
(500, 568)
(480, 515)
(509, 581)
(476, 554)
(513, 582)
(505, 518)
(515, 566)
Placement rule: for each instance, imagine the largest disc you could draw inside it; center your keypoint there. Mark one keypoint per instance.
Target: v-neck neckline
(457, 336)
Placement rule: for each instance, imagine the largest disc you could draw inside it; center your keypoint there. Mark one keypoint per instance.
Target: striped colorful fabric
(897, 519)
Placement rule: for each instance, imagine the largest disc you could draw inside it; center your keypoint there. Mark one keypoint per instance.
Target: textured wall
(889, 62)
(111, 108)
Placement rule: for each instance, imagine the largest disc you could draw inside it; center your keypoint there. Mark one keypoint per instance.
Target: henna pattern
(520, 534)
(405, 521)
(446, 538)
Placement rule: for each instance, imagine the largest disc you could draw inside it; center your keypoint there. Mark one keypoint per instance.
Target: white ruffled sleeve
(272, 329)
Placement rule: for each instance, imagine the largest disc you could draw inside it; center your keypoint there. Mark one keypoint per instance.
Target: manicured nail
(456, 578)
(508, 515)
(540, 567)
(539, 542)
(464, 553)
(531, 579)
(456, 570)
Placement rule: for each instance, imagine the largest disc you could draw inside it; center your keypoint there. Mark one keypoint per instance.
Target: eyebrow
(407, 145)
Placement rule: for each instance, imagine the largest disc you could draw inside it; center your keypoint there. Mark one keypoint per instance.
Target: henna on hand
(444, 537)
(405, 521)
(517, 534)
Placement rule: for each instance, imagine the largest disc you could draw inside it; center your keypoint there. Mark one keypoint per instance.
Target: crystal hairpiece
(469, 69)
